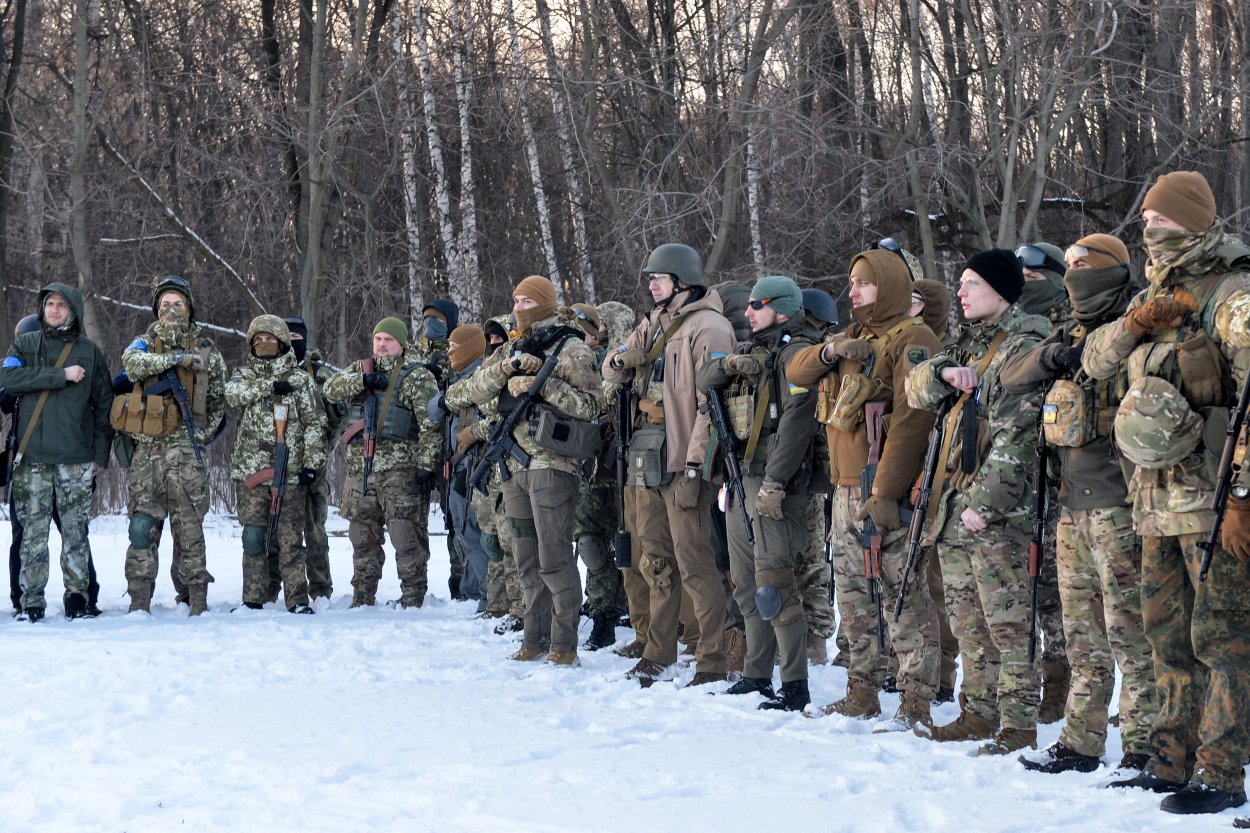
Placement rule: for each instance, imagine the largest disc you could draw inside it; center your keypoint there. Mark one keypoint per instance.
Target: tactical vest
(399, 423)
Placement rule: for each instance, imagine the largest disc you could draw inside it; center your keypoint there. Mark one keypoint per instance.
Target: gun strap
(657, 347)
(390, 393)
(43, 398)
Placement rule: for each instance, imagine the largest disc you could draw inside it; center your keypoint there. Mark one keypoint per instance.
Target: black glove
(1070, 357)
(307, 476)
(282, 387)
(376, 381)
(424, 480)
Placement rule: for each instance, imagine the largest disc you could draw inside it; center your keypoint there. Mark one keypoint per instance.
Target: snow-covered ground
(386, 720)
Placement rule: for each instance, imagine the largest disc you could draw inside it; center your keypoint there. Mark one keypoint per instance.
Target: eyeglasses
(891, 245)
(1031, 257)
(758, 304)
(1080, 250)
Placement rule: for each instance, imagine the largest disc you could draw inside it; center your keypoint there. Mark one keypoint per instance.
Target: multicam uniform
(407, 442)
(315, 546)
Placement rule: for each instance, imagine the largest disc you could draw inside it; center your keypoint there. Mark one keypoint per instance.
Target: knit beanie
(1183, 197)
(783, 294)
(1001, 269)
(1106, 243)
(539, 289)
(470, 346)
(394, 328)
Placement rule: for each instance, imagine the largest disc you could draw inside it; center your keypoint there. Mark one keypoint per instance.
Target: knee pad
(656, 572)
(253, 539)
(403, 535)
(776, 597)
(522, 527)
(490, 543)
(593, 551)
(143, 530)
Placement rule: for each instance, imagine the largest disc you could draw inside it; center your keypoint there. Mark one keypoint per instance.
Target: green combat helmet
(1155, 428)
(175, 284)
(676, 259)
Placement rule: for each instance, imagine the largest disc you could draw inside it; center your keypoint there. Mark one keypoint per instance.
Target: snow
(392, 720)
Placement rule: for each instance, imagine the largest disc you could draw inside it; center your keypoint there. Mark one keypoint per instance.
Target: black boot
(75, 606)
(792, 697)
(752, 685)
(1059, 758)
(453, 584)
(1198, 798)
(30, 614)
(602, 635)
(1147, 781)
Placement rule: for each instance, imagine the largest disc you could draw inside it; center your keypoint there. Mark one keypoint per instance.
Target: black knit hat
(1001, 269)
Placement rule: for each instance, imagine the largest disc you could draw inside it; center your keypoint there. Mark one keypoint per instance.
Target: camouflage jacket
(574, 387)
(415, 393)
(1001, 488)
(250, 391)
(1177, 500)
(334, 411)
(158, 350)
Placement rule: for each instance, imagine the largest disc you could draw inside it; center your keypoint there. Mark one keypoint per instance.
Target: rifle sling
(390, 393)
(43, 398)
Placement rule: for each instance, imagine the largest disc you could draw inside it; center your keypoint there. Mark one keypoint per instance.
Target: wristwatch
(1241, 492)
(691, 474)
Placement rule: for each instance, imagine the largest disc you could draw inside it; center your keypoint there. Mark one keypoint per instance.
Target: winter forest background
(345, 159)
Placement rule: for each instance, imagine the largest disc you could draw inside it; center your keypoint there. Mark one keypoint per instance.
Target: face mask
(174, 317)
(435, 330)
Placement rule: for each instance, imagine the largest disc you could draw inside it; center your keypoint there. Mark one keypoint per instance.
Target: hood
(618, 321)
(888, 271)
(449, 310)
(937, 306)
(72, 296)
(734, 296)
(711, 300)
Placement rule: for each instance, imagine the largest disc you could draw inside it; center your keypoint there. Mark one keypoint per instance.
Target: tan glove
(1155, 313)
(854, 349)
(1201, 365)
(465, 439)
(524, 363)
(518, 385)
(192, 361)
(1235, 533)
(741, 364)
(627, 359)
(768, 501)
(884, 513)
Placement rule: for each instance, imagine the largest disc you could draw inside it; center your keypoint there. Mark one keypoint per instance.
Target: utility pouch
(1070, 417)
(561, 434)
(848, 410)
(741, 414)
(648, 459)
(151, 416)
(826, 397)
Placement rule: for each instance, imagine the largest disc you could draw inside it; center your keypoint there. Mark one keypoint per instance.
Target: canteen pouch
(648, 459)
(561, 434)
(1070, 415)
(741, 414)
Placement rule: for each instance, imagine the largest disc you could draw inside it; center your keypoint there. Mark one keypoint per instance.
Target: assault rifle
(869, 535)
(915, 530)
(623, 544)
(168, 382)
(729, 450)
(1039, 535)
(1228, 470)
(275, 474)
(501, 445)
(370, 430)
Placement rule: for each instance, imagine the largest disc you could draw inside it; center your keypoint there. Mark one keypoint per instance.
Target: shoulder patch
(917, 355)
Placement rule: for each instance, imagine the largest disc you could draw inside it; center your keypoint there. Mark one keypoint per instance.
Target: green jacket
(74, 426)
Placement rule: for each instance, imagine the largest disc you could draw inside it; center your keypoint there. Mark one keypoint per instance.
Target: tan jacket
(705, 331)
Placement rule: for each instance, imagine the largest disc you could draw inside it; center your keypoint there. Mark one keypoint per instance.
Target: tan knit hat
(1104, 250)
(470, 345)
(540, 289)
(1184, 197)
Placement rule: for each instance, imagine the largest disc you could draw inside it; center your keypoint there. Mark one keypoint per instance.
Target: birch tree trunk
(466, 289)
(408, 173)
(78, 164)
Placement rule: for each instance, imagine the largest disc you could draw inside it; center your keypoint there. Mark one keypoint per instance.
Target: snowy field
(385, 720)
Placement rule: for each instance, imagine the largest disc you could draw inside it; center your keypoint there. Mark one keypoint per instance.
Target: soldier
(776, 421)
(439, 317)
(866, 364)
(671, 500)
(541, 494)
(1099, 558)
(1184, 341)
(981, 513)
(395, 498)
(168, 475)
(64, 391)
(273, 394)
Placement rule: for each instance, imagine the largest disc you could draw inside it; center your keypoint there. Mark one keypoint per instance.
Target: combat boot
(602, 634)
(362, 600)
(861, 702)
(1060, 758)
(736, 648)
(527, 654)
(793, 697)
(510, 624)
(633, 650)
(30, 614)
(1056, 678)
(1008, 741)
(140, 595)
(563, 656)
(75, 606)
(912, 711)
(817, 650)
(968, 726)
(1198, 798)
(646, 672)
(705, 677)
(752, 685)
(198, 595)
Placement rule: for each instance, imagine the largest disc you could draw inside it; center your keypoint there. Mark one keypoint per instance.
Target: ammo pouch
(648, 459)
(1071, 417)
(741, 410)
(848, 409)
(561, 434)
(957, 477)
(151, 416)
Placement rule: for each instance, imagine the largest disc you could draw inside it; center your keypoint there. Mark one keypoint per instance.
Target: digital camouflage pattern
(252, 507)
(417, 390)
(250, 393)
(142, 360)
(165, 480)
(34, 485)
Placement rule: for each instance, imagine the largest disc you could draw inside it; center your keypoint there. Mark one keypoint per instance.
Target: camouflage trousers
(1200, 636)
(593, 529)
(814, 573)
(395, 503)
(252, 506)
(1049, 605)
(503, 585)
(314, 544)
(166, 480)
(987, 595)
(913, 637)
(948, 645)
(1100, 583)
(35, 486)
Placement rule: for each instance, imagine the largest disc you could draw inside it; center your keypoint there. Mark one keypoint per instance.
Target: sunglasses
(889, 244)
(1031, 257)
(758, 304)
(1080, 250)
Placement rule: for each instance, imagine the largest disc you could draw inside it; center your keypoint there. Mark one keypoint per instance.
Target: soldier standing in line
(671, 499)
(439, 317)
(983, 512)
(862, 376)
(64, 388)
(168, 475)
(775, 420)
(396, 497)
(540, 496)
(1098, 554)
(1185, 342)
(272, 394)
